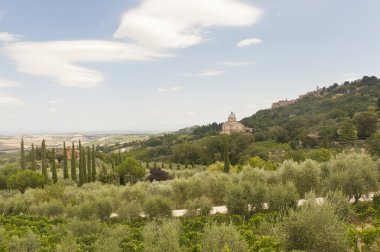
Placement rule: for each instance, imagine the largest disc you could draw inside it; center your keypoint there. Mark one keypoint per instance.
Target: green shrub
(222, 238)
(314, 227)
(161, 235)
(129, 210)
(198, 206)
(156, 207)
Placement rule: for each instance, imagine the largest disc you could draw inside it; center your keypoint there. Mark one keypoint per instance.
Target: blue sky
(116, 65)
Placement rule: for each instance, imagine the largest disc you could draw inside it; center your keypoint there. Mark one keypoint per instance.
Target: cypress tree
(178, 166)
(154, 165)
(170, 165)
(162, 165)
(65, 168)
(84, 165)
(81, 177)
(147, 165)
(226, 157)
(93, 163)
(53, 168)
(43, 161)
(73, 163)
(89, 162)
(22, 161)
(347, 132)
(33, 158)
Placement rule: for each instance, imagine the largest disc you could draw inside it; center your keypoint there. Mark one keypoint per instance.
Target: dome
(232, 117)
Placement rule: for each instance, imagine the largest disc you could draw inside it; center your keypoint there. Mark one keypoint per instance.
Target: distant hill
(334, 117)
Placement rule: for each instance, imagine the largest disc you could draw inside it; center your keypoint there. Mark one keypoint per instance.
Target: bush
(161, 235)
(222, 238)
(348, 174)
(25, 179)
(198, 206)
(157, 207)
(157, 174)
(282, 197)
(314, 227)
(129, 210)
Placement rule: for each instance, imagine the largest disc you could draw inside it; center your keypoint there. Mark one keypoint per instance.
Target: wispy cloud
(60, 59)
(7, 83)
(154, 26)
(6, 99)
(9, 37)
(170, 89)
(181, 23)
(249, 42)
(205, 73)
(236, 63)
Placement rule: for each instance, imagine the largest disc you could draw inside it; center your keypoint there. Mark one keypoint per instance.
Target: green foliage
(226, 157)
(130, 169)
(161, 235)
(366, 123)
(25, 179)
(65, 162)
(347, 132)
(261, 163)
(54, 168)
(73, 167)
(222, 237)
(282, 196)
(347, 173)
(157, 207)
(198, 206)
(22, 158)
(44, 162)
(314, 227)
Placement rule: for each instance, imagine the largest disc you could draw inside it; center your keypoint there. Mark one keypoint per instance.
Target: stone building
(233, 126)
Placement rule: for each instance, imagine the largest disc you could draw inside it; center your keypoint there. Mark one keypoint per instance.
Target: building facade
(233, 126)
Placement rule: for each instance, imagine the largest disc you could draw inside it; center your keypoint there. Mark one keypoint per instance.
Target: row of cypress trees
(85, 162)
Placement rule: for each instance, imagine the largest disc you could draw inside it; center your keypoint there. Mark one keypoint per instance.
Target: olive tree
(353, 173)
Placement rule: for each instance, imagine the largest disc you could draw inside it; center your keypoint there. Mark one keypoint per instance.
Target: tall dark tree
(43, 161)
(84, 164)
(22, 160)
(81, 175)
(226, 157)
(347, 132)
(73, 163)
(33, 158)
(65, 162)
(53, 167)
(366, 124)
(89, 163)
(93, 163)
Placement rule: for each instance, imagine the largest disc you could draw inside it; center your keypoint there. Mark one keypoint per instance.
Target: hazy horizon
(159, 65)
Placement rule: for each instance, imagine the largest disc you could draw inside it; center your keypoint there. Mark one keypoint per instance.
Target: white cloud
(59, 60)
(155, 26)
(55, 101)
(170, 89)
(6, 99)
(52, 110)
(248, 42)
(181, 23)
(7, 83)
(205, 73)
(9, 37)
(236, 63)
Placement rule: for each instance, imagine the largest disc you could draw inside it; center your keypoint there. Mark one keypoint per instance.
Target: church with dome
(233, 126)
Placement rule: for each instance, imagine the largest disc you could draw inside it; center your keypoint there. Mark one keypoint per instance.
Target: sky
(159, 65)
